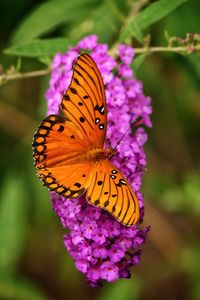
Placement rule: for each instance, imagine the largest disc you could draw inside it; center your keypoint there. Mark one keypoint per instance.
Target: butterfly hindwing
(84, 102)
(58, 146)
(69, 181)
(110, 191)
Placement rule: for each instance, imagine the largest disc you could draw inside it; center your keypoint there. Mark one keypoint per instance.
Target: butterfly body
(98, 154)
(69, 148)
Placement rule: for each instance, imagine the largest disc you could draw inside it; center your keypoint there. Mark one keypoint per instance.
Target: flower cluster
(101, 247)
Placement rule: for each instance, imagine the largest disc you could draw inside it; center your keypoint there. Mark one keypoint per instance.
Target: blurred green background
(33, 261)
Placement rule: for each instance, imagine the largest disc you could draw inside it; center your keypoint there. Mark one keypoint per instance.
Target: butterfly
(69, 152)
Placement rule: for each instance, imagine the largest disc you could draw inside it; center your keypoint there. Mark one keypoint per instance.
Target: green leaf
(49, 15)
(137, 31)
(39, 47)
(121, 290)
(45, 60)
(13, 223)
(19, 289)
(150, 15)
(19, 63)
(138, 61)
(105, 22)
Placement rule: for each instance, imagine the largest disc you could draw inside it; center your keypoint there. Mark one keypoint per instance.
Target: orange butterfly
(69, 148)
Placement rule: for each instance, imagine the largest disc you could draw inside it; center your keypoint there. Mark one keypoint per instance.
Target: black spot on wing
(82, 119)
(101, 126)
(106, 203)
(121, 182)
(114, 172)
(66, 97)
(73, 90)
(100, 109)
(76, 81)
(61, 128)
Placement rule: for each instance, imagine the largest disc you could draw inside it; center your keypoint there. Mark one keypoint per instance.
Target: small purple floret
(101, 247)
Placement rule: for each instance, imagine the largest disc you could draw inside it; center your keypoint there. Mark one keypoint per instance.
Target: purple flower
(89, 42)
(126, 54)
(116, 253)
(101, 247)
(109, 271)
(125, 71)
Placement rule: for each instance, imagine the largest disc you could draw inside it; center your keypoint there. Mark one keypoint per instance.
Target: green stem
(181, 50)
(8, 77)
(149, 50)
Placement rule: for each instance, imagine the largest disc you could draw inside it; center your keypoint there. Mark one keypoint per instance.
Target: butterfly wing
(110, 191)
(84, 103)
(69, 181)
(58, 148)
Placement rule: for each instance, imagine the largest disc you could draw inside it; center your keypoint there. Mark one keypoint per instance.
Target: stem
(149, 50)
(8, 77)
(181, 50)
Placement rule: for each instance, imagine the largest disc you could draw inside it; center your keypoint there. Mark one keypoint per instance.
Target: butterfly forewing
(110, 191)
(58, 142)
(84, 101)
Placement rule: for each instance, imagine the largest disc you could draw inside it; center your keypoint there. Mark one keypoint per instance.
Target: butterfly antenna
(120, 140)
(138, 122)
